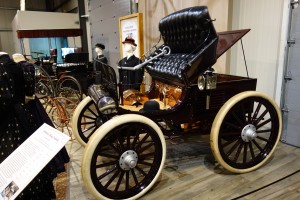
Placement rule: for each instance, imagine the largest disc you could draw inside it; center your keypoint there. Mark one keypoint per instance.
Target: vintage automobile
(124, 132)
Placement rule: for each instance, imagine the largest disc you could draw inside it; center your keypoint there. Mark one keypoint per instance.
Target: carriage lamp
(207, 80)
(201, 82)
(104, 102)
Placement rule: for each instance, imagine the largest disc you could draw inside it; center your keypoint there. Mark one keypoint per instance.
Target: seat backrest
(191, 36)
(77, 58)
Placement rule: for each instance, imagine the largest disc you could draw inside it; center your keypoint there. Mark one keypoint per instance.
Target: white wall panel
(261, 44)
(34, 20)
(104, 26)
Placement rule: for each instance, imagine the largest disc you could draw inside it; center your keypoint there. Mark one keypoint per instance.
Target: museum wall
(103, 26)
(154, 10)
(262, 44)
(8, 10)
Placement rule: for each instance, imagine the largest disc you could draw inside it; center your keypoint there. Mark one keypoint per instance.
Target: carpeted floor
(61, 184)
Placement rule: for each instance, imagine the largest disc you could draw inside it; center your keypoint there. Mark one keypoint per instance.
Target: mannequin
(18, 121)
(102, 61)
(29, 73)
(99, 50)
(130, 79)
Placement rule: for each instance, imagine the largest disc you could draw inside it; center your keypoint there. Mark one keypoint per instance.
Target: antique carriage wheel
(42, 91)
(124, 158)
(69, 87)
(86, 120)
(246, 131)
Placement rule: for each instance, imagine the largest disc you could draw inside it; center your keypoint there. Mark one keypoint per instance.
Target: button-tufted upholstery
(192, 38)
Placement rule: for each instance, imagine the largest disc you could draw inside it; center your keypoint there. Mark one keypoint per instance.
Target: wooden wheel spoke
(233, 126)
(112, 179)
(251, 150)
(243, 113)
(144, 163)
(140, 170)
(113, 146)
(107, 173)
(257, 145)
(237, 118)
(134, 177)
(107, 164)
(238, 152)
(89, 128)
(93, 112)
(120, 144)
(120, 136)
(127, 180)
(91, 133)
(263, 139)
(257, 111)
(143, 156)
(128, 141)
(263, 123)
(89, 117)
(261, 117)
(141, 150)
(142, 141)
(135, 140)
(229, 142)
(86, 123)
(108, 155)
(119, 181)
(233, 147)
(245, 153)
(264, 131)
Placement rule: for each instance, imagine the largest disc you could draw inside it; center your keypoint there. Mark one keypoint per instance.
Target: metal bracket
(288, 76)
(291, 42)
(285, 109)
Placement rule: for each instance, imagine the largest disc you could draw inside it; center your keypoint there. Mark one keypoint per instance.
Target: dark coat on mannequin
(102, 59)
(17, 123)
(130, 79)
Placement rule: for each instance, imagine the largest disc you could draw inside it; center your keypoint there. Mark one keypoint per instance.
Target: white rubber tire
(75, 119)
(214, 135)
(99, 135)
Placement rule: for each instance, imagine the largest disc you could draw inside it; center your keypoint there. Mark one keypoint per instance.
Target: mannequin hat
(150, 105)
(17, 57)
(3, 53)
(99, 45)
(129, 40)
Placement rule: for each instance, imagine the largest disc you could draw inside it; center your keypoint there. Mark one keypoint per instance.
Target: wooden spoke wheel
(86, 120)
(70, 88)
(246, 131)
(124, 158)
(60, 110)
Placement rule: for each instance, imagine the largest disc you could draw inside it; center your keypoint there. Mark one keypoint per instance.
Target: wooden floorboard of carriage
(190, 173)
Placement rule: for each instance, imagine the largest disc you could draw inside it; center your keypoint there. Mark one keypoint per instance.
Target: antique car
(124, 131)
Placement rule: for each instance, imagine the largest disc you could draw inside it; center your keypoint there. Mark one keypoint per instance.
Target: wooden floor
(190, 173)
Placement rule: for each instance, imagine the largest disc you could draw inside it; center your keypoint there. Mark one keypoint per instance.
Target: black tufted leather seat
(191, 36)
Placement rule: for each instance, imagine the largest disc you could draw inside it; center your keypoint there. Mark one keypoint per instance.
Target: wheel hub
(99, 121)
(249, 133)
(128, 160)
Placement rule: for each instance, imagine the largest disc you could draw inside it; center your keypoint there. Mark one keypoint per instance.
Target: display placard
(132, 26)
(23, 164)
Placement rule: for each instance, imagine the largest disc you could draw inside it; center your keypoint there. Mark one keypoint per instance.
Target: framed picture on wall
(132, 26)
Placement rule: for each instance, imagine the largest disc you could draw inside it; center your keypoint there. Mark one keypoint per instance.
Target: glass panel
(40, 47)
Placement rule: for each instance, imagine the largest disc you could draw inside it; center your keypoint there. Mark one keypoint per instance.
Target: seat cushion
(191, 36)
